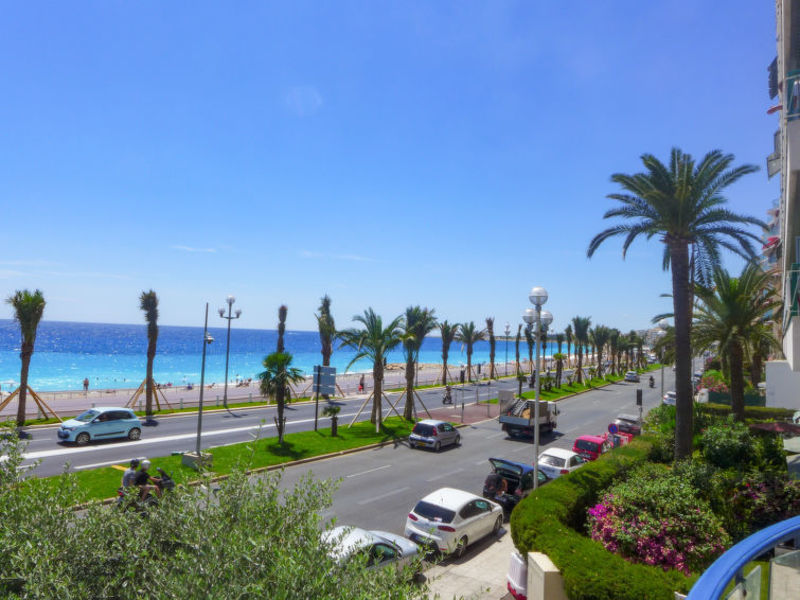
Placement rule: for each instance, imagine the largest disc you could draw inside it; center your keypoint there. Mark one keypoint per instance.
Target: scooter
(165, 483)
(652, 382)
(447, 396)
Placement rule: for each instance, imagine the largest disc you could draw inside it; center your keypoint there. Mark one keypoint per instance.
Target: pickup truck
(517, 415)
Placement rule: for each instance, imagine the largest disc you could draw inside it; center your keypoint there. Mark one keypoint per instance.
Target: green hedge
(552, 520)
(755, 413)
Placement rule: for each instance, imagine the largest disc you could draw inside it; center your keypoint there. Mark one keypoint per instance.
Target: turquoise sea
(113, 356)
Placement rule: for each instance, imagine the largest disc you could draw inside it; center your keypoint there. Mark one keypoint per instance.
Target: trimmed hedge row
(549, 521)
(756, 413)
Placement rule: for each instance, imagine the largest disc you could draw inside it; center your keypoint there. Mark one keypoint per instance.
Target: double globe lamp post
(538, 318)
(229, 317)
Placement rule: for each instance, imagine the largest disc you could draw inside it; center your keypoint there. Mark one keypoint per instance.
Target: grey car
(433, 434)
(628, 424)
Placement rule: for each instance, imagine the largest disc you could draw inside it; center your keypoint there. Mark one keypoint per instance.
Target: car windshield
(87, 416)
(433, 512)
(423, 429)
(586, 445)
(553, 461)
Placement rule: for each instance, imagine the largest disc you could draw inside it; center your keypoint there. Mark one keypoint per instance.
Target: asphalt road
(378, 487)
(178, 433)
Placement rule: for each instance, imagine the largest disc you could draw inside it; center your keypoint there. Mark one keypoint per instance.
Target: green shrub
(549, 521)
(751, 413)
(728, 444)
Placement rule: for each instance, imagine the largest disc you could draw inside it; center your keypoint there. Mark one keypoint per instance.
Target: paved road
(177, 433)
(380, 486)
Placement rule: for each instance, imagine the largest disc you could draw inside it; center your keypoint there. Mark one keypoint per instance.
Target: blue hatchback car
(101, 423)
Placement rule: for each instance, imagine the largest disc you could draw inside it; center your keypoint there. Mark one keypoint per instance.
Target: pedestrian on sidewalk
(86, 384)
(361, 384)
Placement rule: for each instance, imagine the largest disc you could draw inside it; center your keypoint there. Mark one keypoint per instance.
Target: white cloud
(303, 100)
(192, 249)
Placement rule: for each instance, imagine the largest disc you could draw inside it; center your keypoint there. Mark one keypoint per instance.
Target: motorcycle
(164, 483)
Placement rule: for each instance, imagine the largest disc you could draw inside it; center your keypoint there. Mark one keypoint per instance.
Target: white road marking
(369, 471)
(495, 435)
(382, 496)
(443, 475)
(102, 464)
(158, 440)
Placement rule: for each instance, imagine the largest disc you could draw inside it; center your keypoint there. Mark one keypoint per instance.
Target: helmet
(134, 463)
(145, 464)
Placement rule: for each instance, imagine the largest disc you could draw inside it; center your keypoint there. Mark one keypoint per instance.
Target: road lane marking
(382, 496)
(369, 471)
(495, 435)
(443, 475)
(102, 464)
(158, 440)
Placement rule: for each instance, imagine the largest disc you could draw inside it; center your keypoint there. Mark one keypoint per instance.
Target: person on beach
(85, 384)
(361, 384)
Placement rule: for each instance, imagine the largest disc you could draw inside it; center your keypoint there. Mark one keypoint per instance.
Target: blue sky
(448, 154)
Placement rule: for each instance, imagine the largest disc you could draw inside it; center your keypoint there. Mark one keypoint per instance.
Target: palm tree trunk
(737, 380)
(559, 368)
(469, 363)
(377, 399)
(445, 356)
(569, 349)
(491, 357)
(516, 347)
(580, 363)
(148, 384)
(25, 358)
(408, 411)
(679, 260)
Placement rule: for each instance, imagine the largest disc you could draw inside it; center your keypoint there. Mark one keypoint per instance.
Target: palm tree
(492, 341)
(327, 332)
(374, 342)
(530, 341)
(448, 332)
(327, 329)
(581, 335)
(148, 302)
(559, 367)
(732, 314)
(468, 334)
(600, 335)
(613, 349)
(559, 340)
(28, 311)
(568, 335)
(418, 323)
(276, 379)
(682, 204)
(282, 310)
(516, 347)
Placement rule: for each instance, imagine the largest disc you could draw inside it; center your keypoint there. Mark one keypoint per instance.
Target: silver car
(433, 434)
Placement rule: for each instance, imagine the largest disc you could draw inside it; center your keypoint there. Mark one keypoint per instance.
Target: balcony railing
(784, 569)
(791, 301)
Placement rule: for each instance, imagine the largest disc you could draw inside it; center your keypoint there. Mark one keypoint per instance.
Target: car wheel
(82, 439)
(461, 547)
(497, 525)
(411, 444)
(134, 434)
(437, 446)
(458, 440)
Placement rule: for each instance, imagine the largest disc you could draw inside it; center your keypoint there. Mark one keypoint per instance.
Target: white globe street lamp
(538, 297)
(230, 300)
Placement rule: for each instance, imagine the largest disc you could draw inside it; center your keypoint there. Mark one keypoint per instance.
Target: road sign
(612, 428)
(324, 380)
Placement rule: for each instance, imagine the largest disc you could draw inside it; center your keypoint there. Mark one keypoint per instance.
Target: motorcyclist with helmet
(145, 482)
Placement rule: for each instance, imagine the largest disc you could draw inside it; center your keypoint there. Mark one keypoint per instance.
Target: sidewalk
(481, 574)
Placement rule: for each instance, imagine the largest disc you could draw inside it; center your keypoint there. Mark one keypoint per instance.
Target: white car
(555, 462)
(449, 520)
(669, 398)
(382, 548)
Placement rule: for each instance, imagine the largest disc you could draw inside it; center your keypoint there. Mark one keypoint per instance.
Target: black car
(509, 482)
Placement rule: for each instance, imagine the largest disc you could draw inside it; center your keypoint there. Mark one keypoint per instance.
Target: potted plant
(332, 411)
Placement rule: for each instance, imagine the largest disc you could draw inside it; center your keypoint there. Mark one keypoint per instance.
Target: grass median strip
(101, 483)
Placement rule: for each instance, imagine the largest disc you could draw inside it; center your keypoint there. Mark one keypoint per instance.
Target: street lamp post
(538, 297)
(230, 300)
(508, 332)
(207, 339)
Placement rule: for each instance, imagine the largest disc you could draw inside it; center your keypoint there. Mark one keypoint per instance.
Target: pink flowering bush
(713, 381)
(763, 498)
(657, 519)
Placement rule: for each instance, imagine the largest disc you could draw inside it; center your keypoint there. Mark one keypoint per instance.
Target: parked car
(433, 434)
(591, 447)
(509, 482)
(669, 398)
(627, 424)
(450, 519)
(101, 423)
(632, 376)
(556, 462)
(381, 547)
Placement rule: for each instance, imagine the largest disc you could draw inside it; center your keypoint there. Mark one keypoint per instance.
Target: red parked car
(591, 447)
